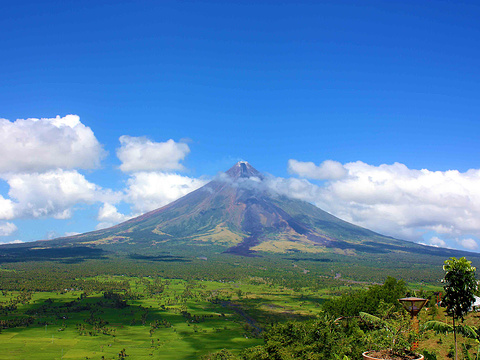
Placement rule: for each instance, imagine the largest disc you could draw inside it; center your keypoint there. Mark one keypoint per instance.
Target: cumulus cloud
(7, 228)
(469, 244)
(297, 188)
(141, 154)
(414, 199)
(6, 208)
(109, 212)
(150, 190)
(40, 159)
(327, 170)
(37, 145)
(108, 215)
(435, 241)
(396, 200)
(52, 194)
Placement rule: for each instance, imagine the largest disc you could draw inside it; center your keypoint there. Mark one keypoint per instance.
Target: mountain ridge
(236, 213)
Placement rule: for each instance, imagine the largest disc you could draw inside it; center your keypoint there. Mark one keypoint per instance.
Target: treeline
(294, 272)
(54, 277)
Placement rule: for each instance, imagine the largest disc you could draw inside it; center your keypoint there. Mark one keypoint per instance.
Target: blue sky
(371, 93)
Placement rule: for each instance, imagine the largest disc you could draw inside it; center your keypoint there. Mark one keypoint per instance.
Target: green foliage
(368, 301)
(466, 354)
(143, 299)
(319, 339)
(223, 354)
(460, 286)
(469, 332)
(439, 327)
(257, 352)
(429, 355)
(393, 329)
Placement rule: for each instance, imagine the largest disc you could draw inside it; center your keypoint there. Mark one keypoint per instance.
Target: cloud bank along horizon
(45, 164)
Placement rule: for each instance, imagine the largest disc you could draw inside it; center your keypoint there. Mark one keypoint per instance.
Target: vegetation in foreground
(55, 311)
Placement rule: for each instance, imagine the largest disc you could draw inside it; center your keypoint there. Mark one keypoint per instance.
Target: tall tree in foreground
(460, 286)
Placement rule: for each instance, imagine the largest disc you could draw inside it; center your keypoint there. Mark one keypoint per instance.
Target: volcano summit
(237, 213)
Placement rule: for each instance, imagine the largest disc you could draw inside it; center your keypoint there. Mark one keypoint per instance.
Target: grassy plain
(175, 307)
(162, 319)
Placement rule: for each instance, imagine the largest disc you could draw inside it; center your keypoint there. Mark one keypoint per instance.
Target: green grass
(221, 315)
(229, 299)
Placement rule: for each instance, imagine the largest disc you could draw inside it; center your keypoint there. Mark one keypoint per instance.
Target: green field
(182, 309)
(159, 318)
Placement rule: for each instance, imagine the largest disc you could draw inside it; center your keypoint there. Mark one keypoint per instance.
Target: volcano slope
(236, 213)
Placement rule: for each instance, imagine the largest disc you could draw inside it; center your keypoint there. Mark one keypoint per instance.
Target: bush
(318, 339)
(223, 354)
(368, 300)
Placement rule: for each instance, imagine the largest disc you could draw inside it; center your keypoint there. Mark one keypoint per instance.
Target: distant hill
(236, 213)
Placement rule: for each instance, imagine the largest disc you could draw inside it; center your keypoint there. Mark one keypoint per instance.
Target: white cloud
(327, 170)
(12, 242)
(71, 233)
(469, 244)
(109, 212)
(108, 215)
(40, 158)
(397, 201)
(435, 241)
(36, 145)
(6, 209)
(296, 188)
(53, 193)
(150, 190)
(7, 228)
(142, 154)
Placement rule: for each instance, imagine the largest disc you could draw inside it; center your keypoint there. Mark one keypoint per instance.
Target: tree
(223, 354)
(122, 354)
(323, 338)
(460, 286)
(368, 301)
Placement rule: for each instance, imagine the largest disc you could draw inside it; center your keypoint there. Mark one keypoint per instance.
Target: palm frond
(467, 331)
(443, 328)
(438, 326)
(371, 318)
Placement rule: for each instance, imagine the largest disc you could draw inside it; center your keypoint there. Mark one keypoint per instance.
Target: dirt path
(250, 321)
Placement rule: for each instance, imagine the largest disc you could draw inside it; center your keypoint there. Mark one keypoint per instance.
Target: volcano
(237, 213)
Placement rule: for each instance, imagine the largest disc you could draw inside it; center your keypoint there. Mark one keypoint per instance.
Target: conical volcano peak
(243, 169)
(239, 212)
